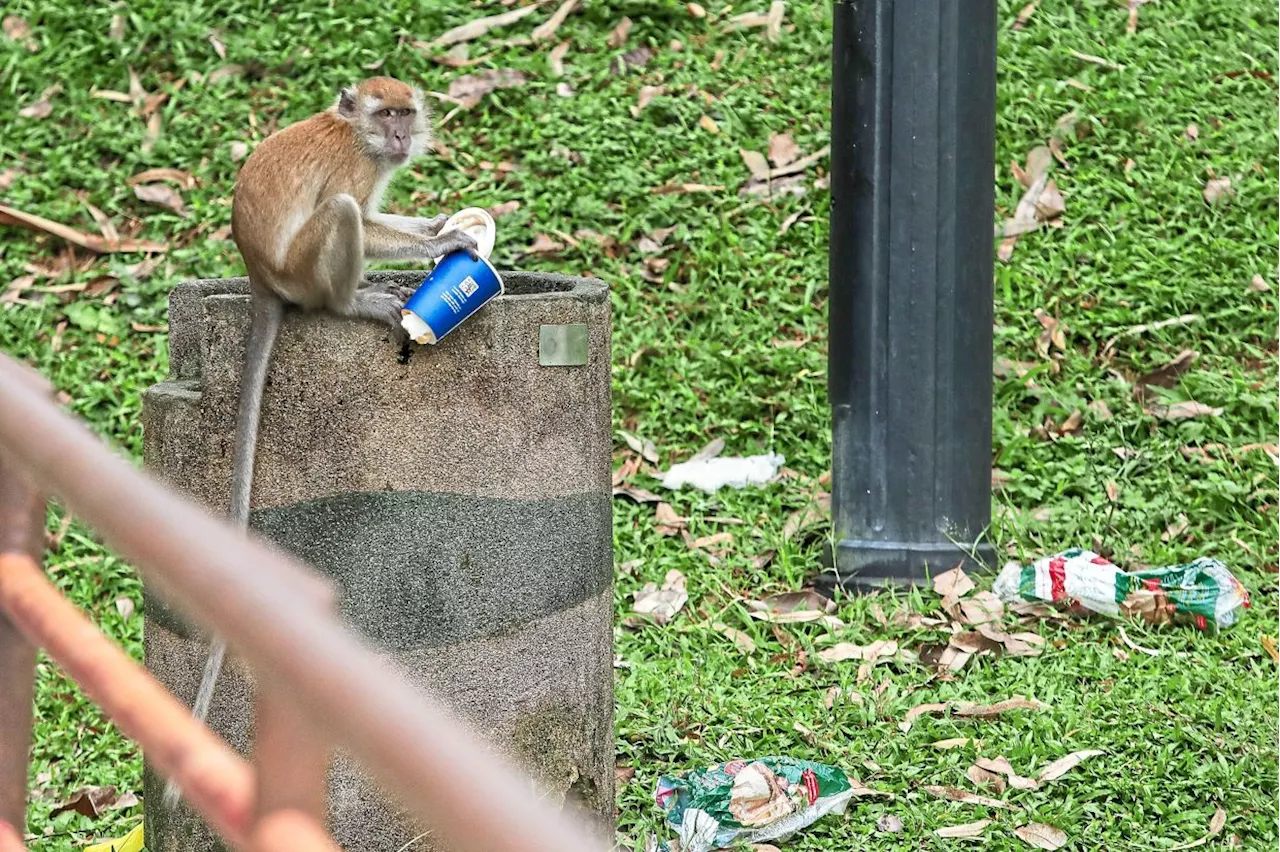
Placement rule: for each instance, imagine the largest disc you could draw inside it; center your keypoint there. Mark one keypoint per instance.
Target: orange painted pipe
(216, 781)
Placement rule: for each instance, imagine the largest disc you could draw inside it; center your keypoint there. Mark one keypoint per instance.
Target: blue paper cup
(455, 289)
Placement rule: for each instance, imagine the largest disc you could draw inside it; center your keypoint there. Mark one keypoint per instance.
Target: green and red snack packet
(1202, 593)
(755, 801)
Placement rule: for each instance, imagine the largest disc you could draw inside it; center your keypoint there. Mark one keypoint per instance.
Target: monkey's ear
(347, 102)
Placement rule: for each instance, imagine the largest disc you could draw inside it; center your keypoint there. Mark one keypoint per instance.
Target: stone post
(458, 494)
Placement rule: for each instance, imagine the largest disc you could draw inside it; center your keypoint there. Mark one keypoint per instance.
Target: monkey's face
(389, 117)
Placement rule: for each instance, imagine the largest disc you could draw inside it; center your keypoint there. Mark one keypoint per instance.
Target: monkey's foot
(390, 288)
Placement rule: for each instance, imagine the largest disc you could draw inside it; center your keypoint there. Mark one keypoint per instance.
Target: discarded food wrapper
(712, 474)
(131, 842)
(1203, 592)
(458, 286)
(749, 801)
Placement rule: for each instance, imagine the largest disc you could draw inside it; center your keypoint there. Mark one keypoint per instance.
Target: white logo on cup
(468, 286)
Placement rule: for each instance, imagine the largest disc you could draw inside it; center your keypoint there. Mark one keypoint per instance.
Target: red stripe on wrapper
(1057, 578)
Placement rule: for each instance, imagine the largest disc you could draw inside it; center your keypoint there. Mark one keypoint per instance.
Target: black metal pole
(913, 152)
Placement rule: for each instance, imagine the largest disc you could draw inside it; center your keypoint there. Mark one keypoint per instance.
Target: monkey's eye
(385, 113)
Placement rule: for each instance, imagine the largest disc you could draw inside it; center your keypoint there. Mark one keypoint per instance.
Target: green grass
(1186, 732)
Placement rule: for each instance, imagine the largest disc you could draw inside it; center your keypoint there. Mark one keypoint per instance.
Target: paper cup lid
(476, 222)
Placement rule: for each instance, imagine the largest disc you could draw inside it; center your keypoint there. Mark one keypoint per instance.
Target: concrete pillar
(459, 496)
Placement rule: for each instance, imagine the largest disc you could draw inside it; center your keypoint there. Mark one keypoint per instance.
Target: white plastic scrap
(712, 474)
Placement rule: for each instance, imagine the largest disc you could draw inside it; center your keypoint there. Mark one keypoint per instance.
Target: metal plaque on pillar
(912, 199)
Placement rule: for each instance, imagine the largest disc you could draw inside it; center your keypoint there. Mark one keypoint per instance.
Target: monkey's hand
(413, 225)
(458, 241)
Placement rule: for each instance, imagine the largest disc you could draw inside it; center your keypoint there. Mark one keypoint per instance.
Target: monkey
(305, 217)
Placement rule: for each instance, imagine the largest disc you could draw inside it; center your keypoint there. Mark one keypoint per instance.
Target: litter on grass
(712, 474)
(1202, 592)
(754, 801)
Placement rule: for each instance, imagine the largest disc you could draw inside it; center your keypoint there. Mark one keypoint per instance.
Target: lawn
(720, 332)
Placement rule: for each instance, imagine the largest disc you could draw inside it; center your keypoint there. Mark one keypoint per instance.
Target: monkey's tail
(264, 326)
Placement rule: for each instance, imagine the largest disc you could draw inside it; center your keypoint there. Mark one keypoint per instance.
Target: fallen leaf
(1096, 60)
(979, 609)
(981, 777)
(469, 89)
(1257, 285)
(547, 30)
(955, 794)
(1041, 836)
(953, 583)
(639, 495)
(506, 208)
(968, 829)
(1063, 765)
(226, 72)
(782, 149)
(1192, 132)
(15, 28)
(637, 58)
(1182, 410)
(1269, 645)
(92, 801)
(1024, 15)
(555, 58)
(38, 110)
(238, 151)
(710, 542)
(797, 166)
(1218, 190)
(482, 26)
(564, 90)
(662, 603)
(622, 774)
(161, 196)
(667, 522)
(11, 216)
(618, 36)
(1167, 374)
(889, 824)
(816, 512)
(124, 606)
(990, 711)
(848, 651)
(953, 742)
(744, 643)
(708, 124)
(684, 188)
(1175, 529)
(1124, 637)
(640, 446)
(713, 449)
(773, 20)
(755, 163)
(1001, 766)
(186, 180)
(920, 710)
(696, 10)
(647, 94)
(116, 30)
(543, 244)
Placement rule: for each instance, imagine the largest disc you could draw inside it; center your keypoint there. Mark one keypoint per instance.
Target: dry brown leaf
(226, 72)
(639, 495)
(685, 188)
(124, 606)
(1024, 15)
(542, 245)
(1216, 824)
(93, 801)
(920, 710)
(1192, 132)
(618, 36)
(1218, 190)
(647, 94)
(953, 742)
(954, 582)
(955, 794)
(1096, 60)
(1257, 285)
(990, 711)
(803, 600)
(981, 777)
(696, 10)
(1167, 375)
(662, 603)
(547, 30)
(755, 163)
(773, 20)
(746, 21)
(709, 542)
(889, 824)
(1042, 836)
(968, 829)
(744, 643)
(11, 216)
(161, 196)
(1001, 766)
(636, 58)
(816, 512)
(800, 165)
(40, 109)
(1063, 765)
(473, 30)
(238, 151)
(16, 28)
(1182, 410)
(666, 521)
(185, 180)
(506, 208)
(469, 89)
(843, 651)
(7, 177)
(708, 124)
(979, 609)
(555, 58)
(1269, 645)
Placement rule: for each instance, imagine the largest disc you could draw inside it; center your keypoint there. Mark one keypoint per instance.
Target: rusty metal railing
(327, 688)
